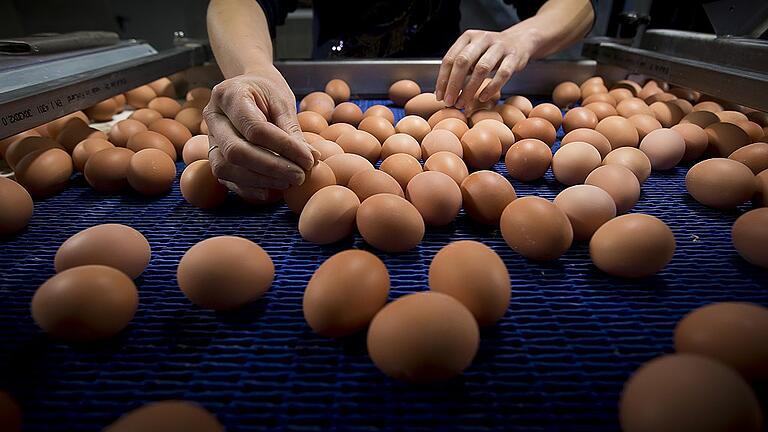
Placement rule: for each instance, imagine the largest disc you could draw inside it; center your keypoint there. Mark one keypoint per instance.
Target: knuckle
(250, 128)
(449, 60)
(462, 60)
(232, 151)
(482, 67)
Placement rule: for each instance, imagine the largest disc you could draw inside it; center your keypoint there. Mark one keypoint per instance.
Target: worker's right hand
(255, 139)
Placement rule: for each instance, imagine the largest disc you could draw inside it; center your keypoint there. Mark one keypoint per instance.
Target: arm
(558, 24)
(239, 36)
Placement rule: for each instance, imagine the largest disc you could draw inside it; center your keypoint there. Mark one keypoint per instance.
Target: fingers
(284, 116)
(447, 64)
(483, 67)
(249, 194)
(507, 67)
(465, 60)
(241, 176)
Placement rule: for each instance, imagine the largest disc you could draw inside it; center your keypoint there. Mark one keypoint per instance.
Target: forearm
(557, 25)
(239, 36)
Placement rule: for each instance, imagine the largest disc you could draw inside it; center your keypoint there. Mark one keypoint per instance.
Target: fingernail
(438, 95)
(483, 97)
(297, 177)
(449, 100)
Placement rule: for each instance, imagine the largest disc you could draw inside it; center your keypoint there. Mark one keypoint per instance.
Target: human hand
(255, 139)
(477, 53)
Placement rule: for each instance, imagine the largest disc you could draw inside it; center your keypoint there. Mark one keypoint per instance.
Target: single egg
(367, 183)
(589, 136)
(696, 140)
(168, 416)
(501, 131)
(176, 132)
(753, 130)
(327, 148)
(166, 106)
(632, 246)
(86, 148)
(731, 116)
(685, 106)
(535, 127)
(150, 139)
(667, 113)
(633, 159)
(123, 130)
(485, 195)
(619, 94)
(402, 167)
(536, 229)
(592, 89)
(447, 163)
(380, 111)
(379, 127)
(345, 293)
(102, 111)
(329, 215)
(16, 207)
(44, 172)
(331, 133)
(629, 85)
(19, 149)
(410, 339)
(725, 138)
(720, 183)
(601, 97)
(644, 124)
(510, 115)
(619, 131)
(310, 121)
(310, 137)
(520, 102)
(446, 113)
(601, 110)
(190, 118)
(140, 96)
(400, 92)
(528, 159)
(548, 112)
(440, 140)
(320, 176)
(347, 112)
(664, 147)
(151, 172)
(319, 102)
(338, 90)
(750, 236)
(195, 149)
(481, 148)
(455, 126)
(619, 182)
(572, 163)
(401, 143)
(163, 87)
(361, 143)
(436, 196)
(96, 246)
(760, 199)
(75, 132)
(414, 126)
(52, 129)
(577, 118)
(701, 119)
(475, 275)
(423, 105)
(587, 207)
(200, 187)
(346, 165)
(754, 156)
(566, 94)
(709, 105)
(484, 114)
(200, 95)
(146, 116)
(6, 142)
(390, 223)
(106, 171)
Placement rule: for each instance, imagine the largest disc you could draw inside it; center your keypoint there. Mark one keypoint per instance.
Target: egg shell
(577, 118)
(455, 126)
(572, 163)
(566, 94)
(629, 107)
(475, 275)
(619, 182)
(380, 111)
(151, 172)
(620, 94)
(440, 140)
(710, 106)
(423, 105)
(520, 102)
(163, 87)
(195, 149)
(16, 207)
(346, 165)
(310, 121)
(329, 215)
(169, 415)
(401, 143)
(166, 106)
(21, 148)
(371, 182)
(484, 114)
(730, 116)
(629, 85)
(203, 127)
(319, 102)
(331, 133)
(602, 97)
(685, 94)
(685, 106)
(151, 139)
(749, 238)
(632, 246)
(10, 413)
(587, 207)
(725, 138)
(73, 133)
(754, 156)
(675, 393)
(548, 112)
(379, 127)
(320, 176)
(6, 142)
(52, 129)
(759, 117)
(347, 112)
(446, 113)
(86, 148)
(720, 183)
(668, 114)
(536, 229)
(345, 293)
(414, 126)
(510, 115)
(485, 195)
(589, 90)
(402, 167)
(200, 187)
(44, 172)
(662, 97)
(311, 137)
(360, 143)
(481, 148)
(700, 118)
(589, 136)
(664, 147)
(390, 223)
(123, 130)
(535, 127)
(501, 131)
(140, 96)
(410, 339)
(190, 118)
(96, 246)
(633, 159)
(601, 109)
(528, 160)
(338, 90)
(753, 130)
(730, 332)
(447, 163)
(400, 92)
(436, 196)
(176, 133)
(106, 171)
(225, 273)
(761, 191)
(644, 124)
(619, 131)
(327, 148)
(696, 140)
(146, 116)
(102, 111)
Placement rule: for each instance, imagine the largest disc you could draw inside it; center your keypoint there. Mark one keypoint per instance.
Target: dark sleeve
(276, 11)
(528, 8)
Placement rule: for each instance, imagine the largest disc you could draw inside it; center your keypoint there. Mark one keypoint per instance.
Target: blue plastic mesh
(556, 362)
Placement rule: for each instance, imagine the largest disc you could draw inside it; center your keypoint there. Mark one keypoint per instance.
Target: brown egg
(566, 94)
(729, 332)
(310, 121)
(423, 105)
(619, 94)
(170, 415)
(595, 80)
(630, 85)
(572, 163)
(123, 130)
(140, 96)
(700, 118)
(629, 107)
(319, 102)
(74, 132)
(402, 167)
(360, 143)
(44, 172)
(390, 223)
(619, 131)
(151, 172)
(401, 143)
(761, 190)
(752, 129)
(190, 118)
(528, 159)
(21, 148)
(195, 149)
(535, 127)
(632, 246)
(6, 142)
(329, 215)
(664, 147)
(16, 207)
(436, 196)
(447, 163)
(520, 102)
(331, 133)
(146, 116)
(578, 118)
(481, 148)
(455, 126)
(754, 156)
(548, 112)
(485, 195)
(106, 171)
(644, 124)
(150, 139)
(591, 89)
(166, 106)
(536, 229)
(378, 127)
(749, 237)
(589, 136)
(320, 176)
(501, 131)
(659, 97)
(203, 127)
(380, 111)
(475, 275)
(683, 392)
(345, 293)
(685, 94)
(201, 95)
(587, 207)
(710, 106)
(620, 183)
(338, 90)
(96, 246)
(696, 140)
(601, 110)
(731, 116)
(347, 112)
(53, 128)
(649, 89)
(484, 114)
(85, 303)
(631, 158)
(400, 92)
(10, 413)
(410, 339)
(720, 183)
(371, 182)
(86, 149)
(684, 106)
(440, 140)
(414, 126)
(225, 273)
(510, 115)
(176, 132)
(102, 111)
(311, 137)
(446, 113)
(759, 117)
(327, 148)
(200, 187)
(601, 97)
(667, 113)
(120, 102)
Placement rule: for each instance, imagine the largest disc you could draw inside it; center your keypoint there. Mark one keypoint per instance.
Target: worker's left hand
(476, 54)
